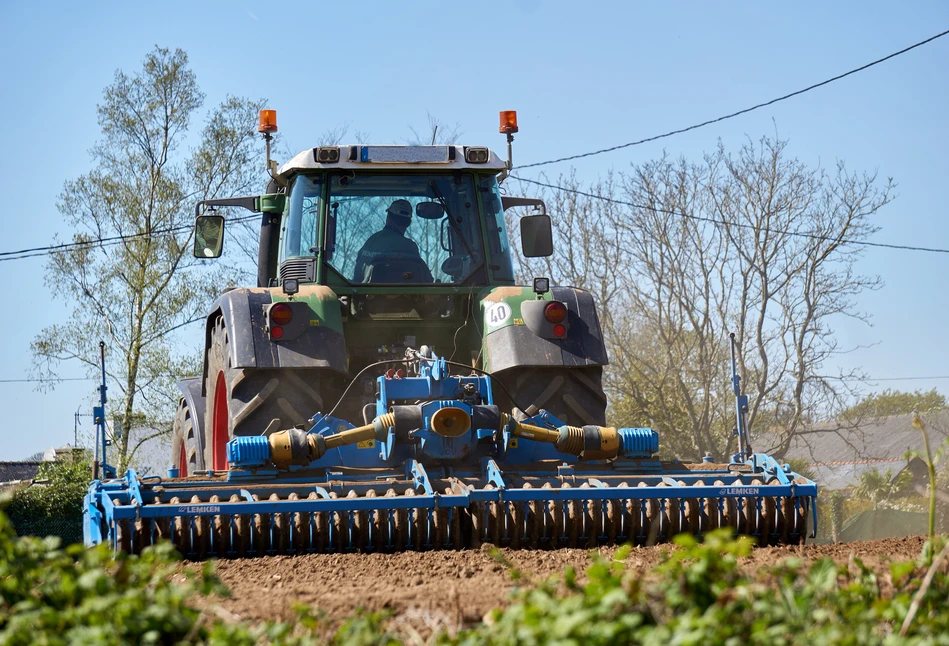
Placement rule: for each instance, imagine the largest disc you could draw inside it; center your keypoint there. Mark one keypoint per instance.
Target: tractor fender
(192, 390)
(243, 310)
(510, 341)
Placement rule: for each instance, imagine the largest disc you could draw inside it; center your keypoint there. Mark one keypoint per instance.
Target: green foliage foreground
(698, 595)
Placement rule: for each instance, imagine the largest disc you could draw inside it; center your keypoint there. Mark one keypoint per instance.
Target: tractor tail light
(276, 332)
(555, 312)
(559, 330)
(281, 314)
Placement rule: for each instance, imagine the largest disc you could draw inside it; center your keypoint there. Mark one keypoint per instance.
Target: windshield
(399, 229)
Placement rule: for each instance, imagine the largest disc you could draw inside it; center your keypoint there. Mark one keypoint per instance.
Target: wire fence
(67, 528)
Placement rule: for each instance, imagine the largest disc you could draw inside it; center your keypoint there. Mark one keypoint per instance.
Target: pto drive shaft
(298, 447)
(295, 446)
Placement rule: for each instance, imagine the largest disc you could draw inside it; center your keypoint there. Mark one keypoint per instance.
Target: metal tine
(411, 518)
(367, 522)
(429, 522)
(316, 525)
(331, 522)
(394, 541)
(355, 528)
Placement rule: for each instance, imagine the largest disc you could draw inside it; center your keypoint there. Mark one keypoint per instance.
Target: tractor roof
(364, 157)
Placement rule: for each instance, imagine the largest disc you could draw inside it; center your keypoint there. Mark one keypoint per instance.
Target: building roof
(840, 454)
(11, 471)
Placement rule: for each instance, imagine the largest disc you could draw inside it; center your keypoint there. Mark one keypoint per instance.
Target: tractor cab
(395, 226)
(402, 218)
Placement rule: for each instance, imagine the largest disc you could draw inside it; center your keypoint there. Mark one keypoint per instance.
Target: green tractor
(388, 386)
(368, 253)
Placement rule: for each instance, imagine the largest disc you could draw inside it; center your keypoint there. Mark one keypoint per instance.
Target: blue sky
(582, 76)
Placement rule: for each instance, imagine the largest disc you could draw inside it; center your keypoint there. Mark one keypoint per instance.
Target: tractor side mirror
(429, 210)
(537, 237)
(208, 236)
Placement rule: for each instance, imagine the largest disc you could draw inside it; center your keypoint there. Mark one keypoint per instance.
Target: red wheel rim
(183, 461)
(220, 430)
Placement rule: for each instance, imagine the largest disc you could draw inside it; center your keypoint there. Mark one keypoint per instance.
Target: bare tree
(435, 132)
(680, 254)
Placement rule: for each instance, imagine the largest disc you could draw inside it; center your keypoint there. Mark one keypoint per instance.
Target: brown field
(448, 589)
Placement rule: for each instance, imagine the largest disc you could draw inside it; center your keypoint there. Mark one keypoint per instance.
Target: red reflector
(555, 312)
(281, 314)
(559, 330)
(276, 332)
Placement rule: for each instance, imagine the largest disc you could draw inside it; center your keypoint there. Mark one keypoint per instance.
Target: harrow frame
(132, 512)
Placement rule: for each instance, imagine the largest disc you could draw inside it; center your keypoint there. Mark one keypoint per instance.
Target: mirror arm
(249, 202)
(510, 202)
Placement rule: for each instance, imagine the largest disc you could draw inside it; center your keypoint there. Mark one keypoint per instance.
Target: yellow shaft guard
(361, 433)
(280, 453)
(451, 421)
(588, 442)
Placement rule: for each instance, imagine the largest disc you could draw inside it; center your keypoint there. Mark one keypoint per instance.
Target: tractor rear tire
(184, 444)
(250, 401)
(574, 395)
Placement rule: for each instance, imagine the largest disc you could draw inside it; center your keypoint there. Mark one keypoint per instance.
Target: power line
(909, 378)
(812, 236)
(738, 113)
(102, 242)
(45, 381)
(871, 379)
(91, 244)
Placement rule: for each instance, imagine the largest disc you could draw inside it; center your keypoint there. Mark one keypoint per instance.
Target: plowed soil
(448, 589)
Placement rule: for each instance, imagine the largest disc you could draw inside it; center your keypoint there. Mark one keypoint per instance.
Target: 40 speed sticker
(497, 314)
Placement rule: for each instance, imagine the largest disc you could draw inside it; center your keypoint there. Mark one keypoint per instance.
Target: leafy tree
(895, 402)
(878, 487)
(136, 289)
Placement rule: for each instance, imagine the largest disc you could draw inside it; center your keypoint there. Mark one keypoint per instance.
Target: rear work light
(326, 154)
(555, 312)
(281, 314)
(476, 154)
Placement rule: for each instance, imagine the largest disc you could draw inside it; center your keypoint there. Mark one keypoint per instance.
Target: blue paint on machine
(441, 467)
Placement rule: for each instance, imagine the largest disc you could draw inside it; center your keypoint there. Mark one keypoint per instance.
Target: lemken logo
(738, 491)
(199, 509)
